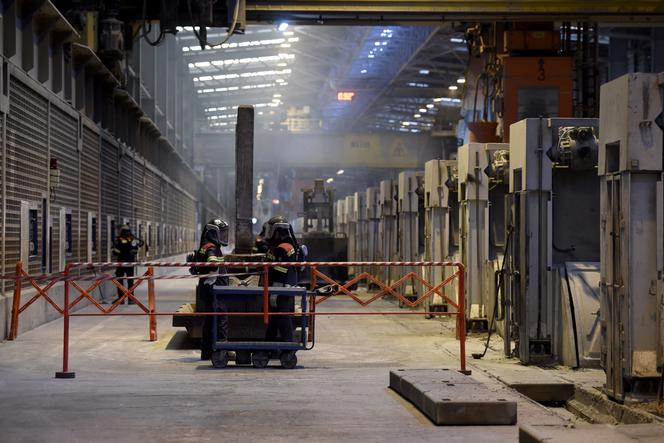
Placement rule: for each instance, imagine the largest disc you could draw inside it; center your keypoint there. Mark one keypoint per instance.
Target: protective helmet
(216, 231)
(278, 227)
(124, 230)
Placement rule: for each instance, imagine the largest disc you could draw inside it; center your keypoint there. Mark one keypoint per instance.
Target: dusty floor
(130, 389)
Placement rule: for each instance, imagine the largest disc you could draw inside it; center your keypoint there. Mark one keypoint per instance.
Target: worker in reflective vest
(282, 248)
(214, 236)
(125, 249)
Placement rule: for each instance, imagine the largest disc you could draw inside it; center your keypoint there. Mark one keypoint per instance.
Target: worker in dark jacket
(213, 237)
(282, 247)
(125, 249)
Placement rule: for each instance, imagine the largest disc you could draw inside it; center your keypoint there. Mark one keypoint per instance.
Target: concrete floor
(130, 389)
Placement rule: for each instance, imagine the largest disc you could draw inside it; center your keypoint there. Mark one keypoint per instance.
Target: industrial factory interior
(331, 221)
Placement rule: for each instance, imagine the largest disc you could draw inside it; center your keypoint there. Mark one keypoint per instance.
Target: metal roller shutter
(125, 188)
(89, 188)
(27, 165)
(139, 190)
(109, 185)
(64, 148)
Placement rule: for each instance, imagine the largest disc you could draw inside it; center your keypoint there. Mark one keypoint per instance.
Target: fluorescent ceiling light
(461, 81)
(453, 87)
(246, 60)
(282, 26)
(424, 71)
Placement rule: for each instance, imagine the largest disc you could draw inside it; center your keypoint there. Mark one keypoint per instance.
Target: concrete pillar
(244, 180)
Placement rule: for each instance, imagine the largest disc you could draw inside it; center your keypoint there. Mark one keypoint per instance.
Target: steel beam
(393, 11)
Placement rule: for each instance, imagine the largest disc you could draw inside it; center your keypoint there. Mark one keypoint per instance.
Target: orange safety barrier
(341, 288)
(65, 276)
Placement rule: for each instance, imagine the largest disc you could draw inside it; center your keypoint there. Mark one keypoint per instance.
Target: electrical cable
(145, 30)
(478, 356)
(231, 30)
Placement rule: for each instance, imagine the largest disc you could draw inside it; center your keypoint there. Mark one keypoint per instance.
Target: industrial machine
(632, 234)
(340, 217)
(319, 233)
(499, 236)
(553, 263)
(388, 225)
(536, 80)
(317, 208)
(351, 230)
(372, 216)
(409, 203)
(481, 222)
(441, 227)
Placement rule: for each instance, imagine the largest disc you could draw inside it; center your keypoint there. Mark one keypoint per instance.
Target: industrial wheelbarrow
(246, 334)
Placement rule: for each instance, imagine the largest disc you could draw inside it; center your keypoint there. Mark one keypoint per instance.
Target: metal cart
(246, 334)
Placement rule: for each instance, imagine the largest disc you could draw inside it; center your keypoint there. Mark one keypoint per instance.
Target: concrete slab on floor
(450, 398)
(130, 389)
(585, 433)
(537, 384)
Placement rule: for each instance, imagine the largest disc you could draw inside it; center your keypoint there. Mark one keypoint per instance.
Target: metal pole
(3, 209)
(151, 305)
(16, 302)
(266, 296)
(312, 303)
(462, 320)
(65, 373)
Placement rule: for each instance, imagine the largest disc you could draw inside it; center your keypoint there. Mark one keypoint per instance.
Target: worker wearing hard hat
(125, 249)
(282, 247)
(213, 237)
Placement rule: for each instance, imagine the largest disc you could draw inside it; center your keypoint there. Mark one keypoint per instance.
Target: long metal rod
(393, 11)
(3, 178)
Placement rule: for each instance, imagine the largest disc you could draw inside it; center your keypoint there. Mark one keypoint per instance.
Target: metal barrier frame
(70, 280)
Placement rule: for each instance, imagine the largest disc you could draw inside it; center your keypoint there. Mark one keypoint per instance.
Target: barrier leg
(65, 373)
(16, 302)
(151, 306)
(461, 324)
(312, 304)
(266, 297)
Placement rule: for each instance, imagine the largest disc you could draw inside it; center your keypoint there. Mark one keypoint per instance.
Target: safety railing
(71, 280)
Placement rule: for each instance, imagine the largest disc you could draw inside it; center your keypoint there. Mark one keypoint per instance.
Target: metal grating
(64, 148)
(109, 182)
(89, 187)
(27, 154)
(125, 188)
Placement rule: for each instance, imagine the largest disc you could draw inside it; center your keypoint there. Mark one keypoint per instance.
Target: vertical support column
(244, 179)
(461, 319)
(65, 373)
(16, 302)
(151, 305)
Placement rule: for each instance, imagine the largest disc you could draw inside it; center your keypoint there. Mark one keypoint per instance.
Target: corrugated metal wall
(100, 178)
(27, 170)
(110, 175)
(64, 149)
(90, 198)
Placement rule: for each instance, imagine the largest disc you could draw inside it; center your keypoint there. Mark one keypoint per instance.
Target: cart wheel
(288, 359)
(219, 359)
(260, 359)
